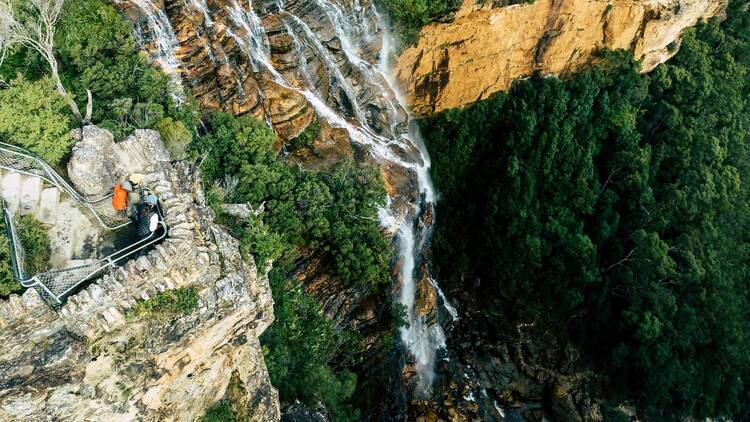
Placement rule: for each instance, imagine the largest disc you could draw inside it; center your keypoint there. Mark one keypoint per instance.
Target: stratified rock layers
(90, 361)
(487, 47)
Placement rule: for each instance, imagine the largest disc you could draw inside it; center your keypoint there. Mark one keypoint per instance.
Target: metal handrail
(94, 268)
(53, 284)
(46, 172)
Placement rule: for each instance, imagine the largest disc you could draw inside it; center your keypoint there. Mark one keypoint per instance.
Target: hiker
(119, 198)
(136, 182)
(147, 219)
(134, 187)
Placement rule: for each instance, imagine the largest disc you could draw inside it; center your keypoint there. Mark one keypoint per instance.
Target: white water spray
(422, 338)
(165, 41)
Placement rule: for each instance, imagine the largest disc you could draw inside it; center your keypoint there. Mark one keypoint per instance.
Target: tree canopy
(614, 206)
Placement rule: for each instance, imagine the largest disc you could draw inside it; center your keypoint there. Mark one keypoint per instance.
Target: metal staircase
(19, 160)
(56, 284)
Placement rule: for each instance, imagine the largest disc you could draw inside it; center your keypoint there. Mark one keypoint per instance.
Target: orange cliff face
(486, 47)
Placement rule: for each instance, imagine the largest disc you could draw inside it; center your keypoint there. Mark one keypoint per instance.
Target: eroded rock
(486, 47)
(91, 361)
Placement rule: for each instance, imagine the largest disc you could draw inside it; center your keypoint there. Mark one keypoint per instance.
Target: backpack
(143, 223)
(119, 198)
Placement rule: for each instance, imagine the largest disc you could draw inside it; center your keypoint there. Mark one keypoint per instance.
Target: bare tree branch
(31, 23)
(89, 107)
(622, 261)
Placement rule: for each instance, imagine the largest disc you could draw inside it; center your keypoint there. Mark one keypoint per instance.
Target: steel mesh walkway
(16, 159)
(56, 284)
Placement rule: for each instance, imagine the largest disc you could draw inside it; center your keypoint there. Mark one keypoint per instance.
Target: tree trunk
(61, 89)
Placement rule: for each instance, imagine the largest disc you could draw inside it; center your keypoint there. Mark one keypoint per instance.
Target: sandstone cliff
(488, 46)
(90, 361)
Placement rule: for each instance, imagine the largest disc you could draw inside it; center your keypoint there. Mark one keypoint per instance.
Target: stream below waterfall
(357, 27)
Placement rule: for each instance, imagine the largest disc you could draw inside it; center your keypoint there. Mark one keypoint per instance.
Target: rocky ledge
(490, 44)
(91, 360)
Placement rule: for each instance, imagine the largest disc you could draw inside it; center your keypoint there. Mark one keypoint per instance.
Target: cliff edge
(490, 44)
(93, 359)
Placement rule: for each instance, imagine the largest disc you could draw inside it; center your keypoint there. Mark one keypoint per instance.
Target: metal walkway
(56, 284)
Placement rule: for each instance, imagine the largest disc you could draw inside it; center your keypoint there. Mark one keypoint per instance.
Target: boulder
(98, 162)
(91, 168)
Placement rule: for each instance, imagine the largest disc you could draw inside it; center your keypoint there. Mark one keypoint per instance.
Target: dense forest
(612, 207)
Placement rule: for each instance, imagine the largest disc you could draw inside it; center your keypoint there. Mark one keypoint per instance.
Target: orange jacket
(120, 198)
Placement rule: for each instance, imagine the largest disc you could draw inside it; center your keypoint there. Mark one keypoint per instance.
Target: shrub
(222, 411)
(8, 282)
(34, 117)
(182, 301)
(306, 138)
(176, 137)
(34, 235)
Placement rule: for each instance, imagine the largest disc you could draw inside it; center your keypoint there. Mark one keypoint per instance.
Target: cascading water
(160, 32)
(365, 84)
(423, 340)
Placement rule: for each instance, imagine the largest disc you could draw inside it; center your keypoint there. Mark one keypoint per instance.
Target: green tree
(303, 210)
(299, 348)
(613, 207)
(30, 117)
(97, 51)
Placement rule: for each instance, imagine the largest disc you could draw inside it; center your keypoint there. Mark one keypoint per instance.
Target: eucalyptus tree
(32, 24)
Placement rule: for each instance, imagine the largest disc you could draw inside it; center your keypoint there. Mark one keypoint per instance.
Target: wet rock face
(217, 59)
(90, 361)
(490, 44)
(509, 374)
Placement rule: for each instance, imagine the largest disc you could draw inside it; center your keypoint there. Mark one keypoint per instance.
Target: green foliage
(182, 301)
(34, 117)
(298, 349)
(306, 138)
(232, 142)
(176, 136)
(34, 236)
(256, 239)
(614, 207)
(303, 209)
(8, 283)
(220, 412)
(409, 16)
(361, 252)
(335, 213)
(96, 50)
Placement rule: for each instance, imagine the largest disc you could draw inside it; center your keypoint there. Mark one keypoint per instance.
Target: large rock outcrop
(487, 45)
(91, 360)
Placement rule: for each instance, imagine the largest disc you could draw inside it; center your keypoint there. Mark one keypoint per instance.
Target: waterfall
(423, 340)
(160, 32)
(364, 82)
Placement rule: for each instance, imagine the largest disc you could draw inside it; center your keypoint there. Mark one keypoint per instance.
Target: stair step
(11, 190)
(48, 205)
(75, 239)
(80, 262)
(31, 192)
(61, 236)
(82, 234)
